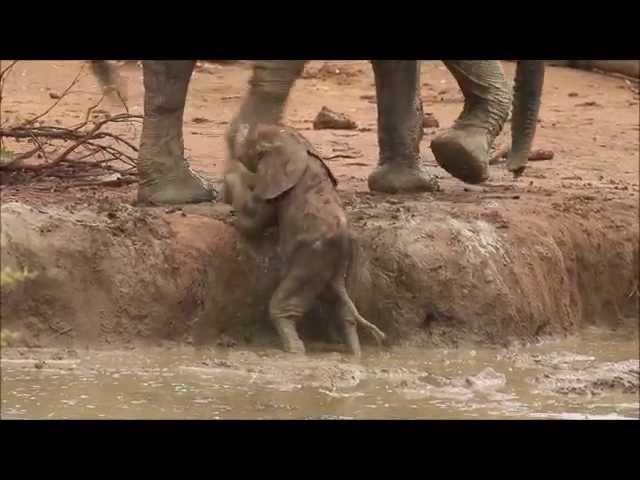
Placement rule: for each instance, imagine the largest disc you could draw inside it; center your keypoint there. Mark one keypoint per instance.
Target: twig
(124, 103)
(71, 148)
(88, 114)
(37, 142)
(2, 74)
(25, 155)
(342, 155)
(118, 139)
(17, 158)
(59, 133)
(534, 155)
(62, 133)
(79, 138)
(77, 162)
(58, 100)
(9, 67)
(122, 181)
(87, 140)
(125, 117)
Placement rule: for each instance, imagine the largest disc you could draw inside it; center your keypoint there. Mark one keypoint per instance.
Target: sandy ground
(589, 120)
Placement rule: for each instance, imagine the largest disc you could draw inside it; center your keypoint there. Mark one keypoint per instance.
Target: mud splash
(594, 375)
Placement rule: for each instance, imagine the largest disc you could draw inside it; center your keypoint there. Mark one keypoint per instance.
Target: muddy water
(594, 375)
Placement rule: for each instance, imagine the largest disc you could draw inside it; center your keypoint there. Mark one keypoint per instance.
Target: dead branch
(61, 133)
(88, 114)
(117, 139)
(88, 140)
(76, 144)
(3, 72)
(37, 142)
(115, 183)
(342, 155)
(534, 156)
(15, 161)
(81, 151)
(58, 100)
(7, 68)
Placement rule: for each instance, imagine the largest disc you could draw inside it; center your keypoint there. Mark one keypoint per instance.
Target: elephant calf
(280, 180)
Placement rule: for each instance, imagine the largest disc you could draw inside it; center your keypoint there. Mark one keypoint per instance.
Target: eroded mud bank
(428, 273)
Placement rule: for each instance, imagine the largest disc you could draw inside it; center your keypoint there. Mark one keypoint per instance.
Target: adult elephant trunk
(528, 92)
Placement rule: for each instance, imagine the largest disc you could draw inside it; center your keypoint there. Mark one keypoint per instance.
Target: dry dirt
(544, 255)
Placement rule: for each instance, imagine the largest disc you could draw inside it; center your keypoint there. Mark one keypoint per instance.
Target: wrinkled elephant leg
(165, 176)
(303, 284)
(399, 129)
(288, 305)
(463, 150)
(269, 89)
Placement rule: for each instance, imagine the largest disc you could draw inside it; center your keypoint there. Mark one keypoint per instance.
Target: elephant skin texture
(463, 150)
(294, 187)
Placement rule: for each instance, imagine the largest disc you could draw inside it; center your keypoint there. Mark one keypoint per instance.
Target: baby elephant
(279, 179)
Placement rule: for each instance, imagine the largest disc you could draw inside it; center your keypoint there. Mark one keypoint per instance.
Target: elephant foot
(291, 342)
(353, 341)
(185, 187)
(296, 347)
(464, 153)
(390, 178)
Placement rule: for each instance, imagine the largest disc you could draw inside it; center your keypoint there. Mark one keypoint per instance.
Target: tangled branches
(86, 138)
(88, 145)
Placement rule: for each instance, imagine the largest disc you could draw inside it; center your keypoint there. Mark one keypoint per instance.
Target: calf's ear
(277, 172)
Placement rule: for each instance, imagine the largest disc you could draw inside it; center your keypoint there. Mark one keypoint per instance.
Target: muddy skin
(253, 214)
(462, 151)
(109, 79)
(165, 176)
(400, 119)
(238, 184)
(294, 185)
(528, 92)
(399, 130)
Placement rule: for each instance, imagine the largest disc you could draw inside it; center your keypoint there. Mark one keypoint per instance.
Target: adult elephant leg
(165, 176)
(399, 129)
(463, 150)
(269, 89)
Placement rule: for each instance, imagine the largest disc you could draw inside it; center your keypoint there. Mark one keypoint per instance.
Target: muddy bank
(430, 273)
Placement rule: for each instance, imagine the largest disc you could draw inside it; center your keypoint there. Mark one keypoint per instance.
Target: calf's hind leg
(303, 283)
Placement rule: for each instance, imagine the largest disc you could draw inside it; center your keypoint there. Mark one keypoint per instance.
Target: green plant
(8, 338)
(6, 156)
(8, 278)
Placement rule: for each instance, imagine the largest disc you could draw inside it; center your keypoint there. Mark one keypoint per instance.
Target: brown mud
(587, 376)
